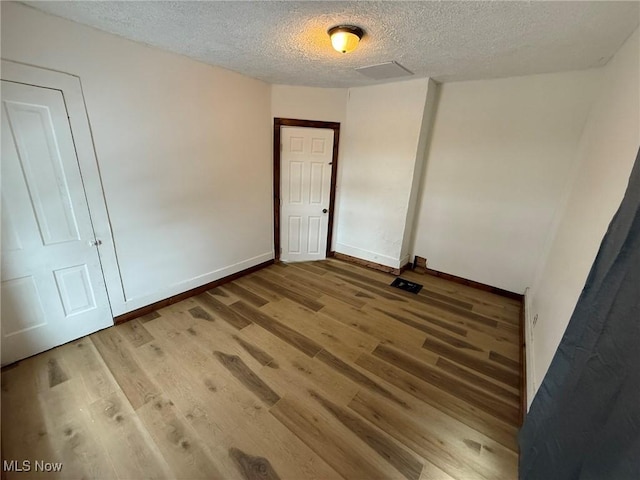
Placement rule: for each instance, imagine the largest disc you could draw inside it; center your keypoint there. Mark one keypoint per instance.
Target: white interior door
(53, 290)
(305, 166)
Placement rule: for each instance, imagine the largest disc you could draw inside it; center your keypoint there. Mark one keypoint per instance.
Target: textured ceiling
(286, 42)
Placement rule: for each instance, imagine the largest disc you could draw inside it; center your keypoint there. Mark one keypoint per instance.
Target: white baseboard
(369, 256)
(530, 348)
(180, 287)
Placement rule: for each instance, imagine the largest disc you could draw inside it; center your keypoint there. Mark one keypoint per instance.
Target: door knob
(95, 243)
(324, 210)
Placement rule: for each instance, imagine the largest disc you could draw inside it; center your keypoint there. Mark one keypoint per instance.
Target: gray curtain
(584, 422)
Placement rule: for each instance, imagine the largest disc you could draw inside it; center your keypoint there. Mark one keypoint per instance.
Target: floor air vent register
(406, 285)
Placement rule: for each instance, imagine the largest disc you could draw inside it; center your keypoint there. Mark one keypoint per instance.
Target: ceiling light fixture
(345, 38)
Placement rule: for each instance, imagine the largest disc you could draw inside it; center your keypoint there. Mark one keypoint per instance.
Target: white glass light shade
(345, 38)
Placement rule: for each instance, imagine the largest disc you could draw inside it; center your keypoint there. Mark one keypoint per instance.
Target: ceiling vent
(384, 71)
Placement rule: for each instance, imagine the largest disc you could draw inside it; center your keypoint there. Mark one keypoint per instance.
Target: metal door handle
(95, 243)
(324, 210)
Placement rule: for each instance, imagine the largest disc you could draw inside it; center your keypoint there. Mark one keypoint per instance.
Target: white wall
(380, 148)
(498, 162)
(607, 149)
(183, 149)
(309, 103)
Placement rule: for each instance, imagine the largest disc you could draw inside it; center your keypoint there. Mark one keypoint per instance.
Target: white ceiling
(286, 42)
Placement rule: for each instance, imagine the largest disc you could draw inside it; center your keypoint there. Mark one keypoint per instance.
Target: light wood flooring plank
(289, 335)
(179, 444)
(432, 332)
(449, 384)
(221, 295)
(352, 373)
(248, 378)
(332, 441)
(132, 451)
(222, 311)
(134, 332)
(249, 284)
(312, 370)
(473, 362)
(473, 295)
(295, 295)
(463, 459)
(479, 381)
(326, 286)
(256, 352)
(454, 327)
(82, 358)
(297, 372)
(244, 294)
(447, 402)
(253, 468)
(201, 313)
(403, 460)
(123, 366)
(62, 432)
(374, 324)
(222, 411)
(330, 334)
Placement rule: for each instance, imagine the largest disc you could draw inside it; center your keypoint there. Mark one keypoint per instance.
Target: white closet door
(53, 290)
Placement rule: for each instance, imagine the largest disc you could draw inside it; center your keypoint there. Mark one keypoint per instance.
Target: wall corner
(422, 152)
(528, 345)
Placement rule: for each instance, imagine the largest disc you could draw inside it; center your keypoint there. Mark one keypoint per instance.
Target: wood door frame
(278, 123)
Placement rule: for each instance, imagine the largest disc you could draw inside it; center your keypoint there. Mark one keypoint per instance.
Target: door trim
(278, 123)
(71, 89)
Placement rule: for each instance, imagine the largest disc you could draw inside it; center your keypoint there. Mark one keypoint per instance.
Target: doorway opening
(306, 188)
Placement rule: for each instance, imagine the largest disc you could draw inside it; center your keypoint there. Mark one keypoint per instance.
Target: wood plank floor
(302, 371)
